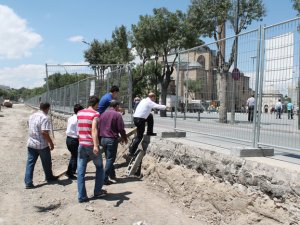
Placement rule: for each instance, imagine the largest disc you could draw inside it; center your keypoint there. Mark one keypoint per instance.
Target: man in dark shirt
(111, 124)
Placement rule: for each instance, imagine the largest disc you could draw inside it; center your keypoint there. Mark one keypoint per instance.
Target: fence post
(258, 85)
(176, 99)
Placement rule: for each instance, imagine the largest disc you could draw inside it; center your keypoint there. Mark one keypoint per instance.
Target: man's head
(114, 104)
(279, 100)
(93, 102)
(152, 96)
(114, 90)
(77, 108)
(45, 106)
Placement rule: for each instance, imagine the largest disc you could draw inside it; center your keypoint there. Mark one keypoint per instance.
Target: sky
(35, 32)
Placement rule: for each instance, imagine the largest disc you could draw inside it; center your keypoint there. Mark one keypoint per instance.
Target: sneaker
(151, 134)
(30, 186)
(52, 179)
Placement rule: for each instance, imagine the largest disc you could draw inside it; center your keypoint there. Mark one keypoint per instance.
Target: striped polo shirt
(85, 119)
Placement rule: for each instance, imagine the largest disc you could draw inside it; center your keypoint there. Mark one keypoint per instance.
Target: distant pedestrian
(89, 149)
(290, 110)
(39, 144)
(73, 142)
(111, 124)
(136, 101)
(278, 109)
(250, 104)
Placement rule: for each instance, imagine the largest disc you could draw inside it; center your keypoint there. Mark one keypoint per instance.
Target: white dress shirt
(72, 127)
(144, 108)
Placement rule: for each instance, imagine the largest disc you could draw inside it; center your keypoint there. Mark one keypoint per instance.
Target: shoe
(71, 176)
(131, 154)
(52, 179)
(83, 200)
(100, 194)
(151, 134)
(113, 179)
(30, 186)
(108, 182)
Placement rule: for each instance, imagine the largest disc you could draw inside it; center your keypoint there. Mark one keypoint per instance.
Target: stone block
(252, 152)
(173, 134)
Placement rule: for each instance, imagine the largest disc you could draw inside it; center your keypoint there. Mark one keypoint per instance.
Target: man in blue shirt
(290, 109)
(106, 99)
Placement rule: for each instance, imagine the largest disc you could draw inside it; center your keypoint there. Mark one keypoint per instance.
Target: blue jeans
(33, 155)
(110, 146)
(85, 154)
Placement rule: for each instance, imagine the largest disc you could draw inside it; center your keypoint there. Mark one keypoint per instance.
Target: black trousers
(250, 113)
(72, 145)
(140, 124)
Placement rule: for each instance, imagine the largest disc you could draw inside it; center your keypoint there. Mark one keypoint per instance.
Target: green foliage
(193, 85)
(58, 80)
(207, 15)
(296, 5)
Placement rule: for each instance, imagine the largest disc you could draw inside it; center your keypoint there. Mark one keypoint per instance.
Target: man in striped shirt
(89, 149)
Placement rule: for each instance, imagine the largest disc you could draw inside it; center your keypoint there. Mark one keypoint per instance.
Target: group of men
(101, 123)
(278, 107)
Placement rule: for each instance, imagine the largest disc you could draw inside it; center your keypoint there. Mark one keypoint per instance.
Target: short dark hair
(44, 106)
(77, 108)
(114, 103)
(114, 88)
(93, 100)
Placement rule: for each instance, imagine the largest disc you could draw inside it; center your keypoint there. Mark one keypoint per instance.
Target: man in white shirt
(38, 145)
(278, 108)
(142, 115)
(73, 142)
(250, 104)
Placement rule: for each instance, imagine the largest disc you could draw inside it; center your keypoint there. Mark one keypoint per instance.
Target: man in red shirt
(89, 149)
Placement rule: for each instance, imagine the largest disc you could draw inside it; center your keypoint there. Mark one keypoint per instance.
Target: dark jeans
(72, 145)
(278, 113)
(140, 125)
(290, 114)
(250, 113)
(33, 155)
(110, 146)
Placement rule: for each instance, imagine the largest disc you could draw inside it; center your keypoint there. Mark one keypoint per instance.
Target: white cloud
(17, 40)
(77, 38)
(29, 76)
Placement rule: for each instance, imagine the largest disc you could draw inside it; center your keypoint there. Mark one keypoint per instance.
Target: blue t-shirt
(290, 106)
(104, 102)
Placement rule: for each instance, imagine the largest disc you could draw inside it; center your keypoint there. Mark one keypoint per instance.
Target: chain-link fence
(213, 83)
(213, 87)
(91, 80)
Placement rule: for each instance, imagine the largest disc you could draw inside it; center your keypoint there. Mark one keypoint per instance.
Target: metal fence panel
(279, 128)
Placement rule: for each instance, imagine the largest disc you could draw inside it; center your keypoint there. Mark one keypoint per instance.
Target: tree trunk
(222, 96)
(163, 95)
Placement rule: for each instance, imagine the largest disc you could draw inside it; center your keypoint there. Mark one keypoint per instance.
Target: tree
(296, 5)
(159, 35)
(210, 20)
